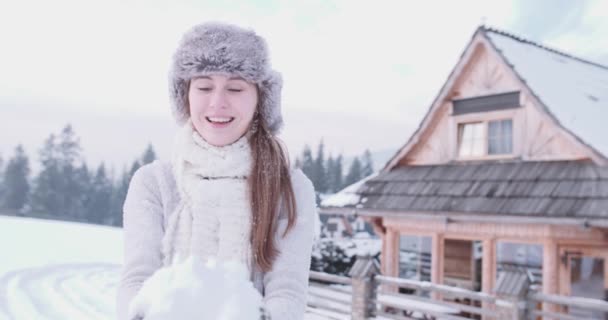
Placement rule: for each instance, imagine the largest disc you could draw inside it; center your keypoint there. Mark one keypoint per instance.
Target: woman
(228, 192)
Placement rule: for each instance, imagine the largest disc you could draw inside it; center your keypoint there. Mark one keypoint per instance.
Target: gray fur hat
(220, 48)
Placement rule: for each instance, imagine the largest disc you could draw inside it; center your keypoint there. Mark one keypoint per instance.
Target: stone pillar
(364, 292)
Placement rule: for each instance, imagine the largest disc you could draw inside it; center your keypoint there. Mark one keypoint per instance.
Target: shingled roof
(556, 189)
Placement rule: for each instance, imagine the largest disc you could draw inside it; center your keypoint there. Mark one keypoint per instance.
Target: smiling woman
(222, 107)
(228, 192)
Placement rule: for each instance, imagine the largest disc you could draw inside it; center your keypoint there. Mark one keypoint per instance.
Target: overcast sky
(359, 74)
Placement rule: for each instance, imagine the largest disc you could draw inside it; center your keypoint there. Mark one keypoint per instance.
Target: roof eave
(467, 217)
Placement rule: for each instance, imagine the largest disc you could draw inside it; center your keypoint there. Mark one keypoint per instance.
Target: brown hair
(270, 191)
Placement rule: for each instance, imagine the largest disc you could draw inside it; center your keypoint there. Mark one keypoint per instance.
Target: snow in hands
(195, 290)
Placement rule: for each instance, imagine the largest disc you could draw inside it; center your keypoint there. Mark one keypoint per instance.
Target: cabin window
(523, 256)
(483, 138)
(500, 137)
(471, 137)
(415, 257)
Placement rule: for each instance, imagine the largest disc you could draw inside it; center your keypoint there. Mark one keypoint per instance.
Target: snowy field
(60, 270)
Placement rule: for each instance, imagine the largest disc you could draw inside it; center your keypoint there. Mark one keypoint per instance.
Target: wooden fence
(366, 294)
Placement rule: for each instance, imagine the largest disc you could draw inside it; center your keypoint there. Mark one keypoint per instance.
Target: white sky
(359, 74)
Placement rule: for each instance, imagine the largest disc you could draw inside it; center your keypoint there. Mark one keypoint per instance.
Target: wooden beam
(453, 227)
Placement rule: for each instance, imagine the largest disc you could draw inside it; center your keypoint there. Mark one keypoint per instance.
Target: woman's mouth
(219, 122)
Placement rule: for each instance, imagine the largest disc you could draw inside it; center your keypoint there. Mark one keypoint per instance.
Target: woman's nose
(218, 99)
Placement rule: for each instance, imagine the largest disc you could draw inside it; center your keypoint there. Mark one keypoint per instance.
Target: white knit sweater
(153, 199)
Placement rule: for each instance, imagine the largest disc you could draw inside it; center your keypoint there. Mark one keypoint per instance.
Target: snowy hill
(59, 270)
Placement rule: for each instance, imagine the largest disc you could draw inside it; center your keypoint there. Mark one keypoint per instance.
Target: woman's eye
(204, 89)
(235, 89)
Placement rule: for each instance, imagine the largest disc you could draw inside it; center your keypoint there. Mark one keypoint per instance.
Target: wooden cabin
(507, 168)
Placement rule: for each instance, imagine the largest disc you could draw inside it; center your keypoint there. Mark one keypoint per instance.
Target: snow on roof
(574, 91)
(347, 196)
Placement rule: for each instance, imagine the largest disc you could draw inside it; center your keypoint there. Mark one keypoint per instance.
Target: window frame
(485, 118)
(486, 155)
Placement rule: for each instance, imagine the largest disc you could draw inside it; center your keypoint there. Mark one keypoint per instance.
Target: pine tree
(136, 165)
(69, 152)
(119, 195)
(69, 146)
(338, 175)
(367, 164)
(45, 197)
(16, 181)
(354, 172)
(334, 174)
(330, 167)
(298, 163)
(307, 163)
(149, 155)
(101, 192)
(319, 171)
(84, 180)
(57, 190)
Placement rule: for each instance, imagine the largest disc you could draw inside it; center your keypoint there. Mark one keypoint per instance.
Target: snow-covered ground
(61, 270)
(57, 270)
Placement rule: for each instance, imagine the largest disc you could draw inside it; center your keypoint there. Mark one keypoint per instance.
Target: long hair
(270, 192)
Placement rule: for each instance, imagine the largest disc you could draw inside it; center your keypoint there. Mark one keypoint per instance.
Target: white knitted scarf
(213, 218)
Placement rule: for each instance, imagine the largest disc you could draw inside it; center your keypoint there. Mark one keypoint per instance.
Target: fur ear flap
(270, 95)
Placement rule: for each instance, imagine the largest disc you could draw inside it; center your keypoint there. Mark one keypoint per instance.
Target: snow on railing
(329, 295)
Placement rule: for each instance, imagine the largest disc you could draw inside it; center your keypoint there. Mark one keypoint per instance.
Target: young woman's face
(222, 107)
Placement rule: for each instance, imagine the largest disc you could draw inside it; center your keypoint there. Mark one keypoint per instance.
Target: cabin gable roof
(573, 109)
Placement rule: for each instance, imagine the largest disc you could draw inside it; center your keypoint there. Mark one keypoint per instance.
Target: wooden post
(488, 268)
(364, 288)
(390, 266)
(550, 272)
(437, 261)
(384, 255)
(391, 251)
